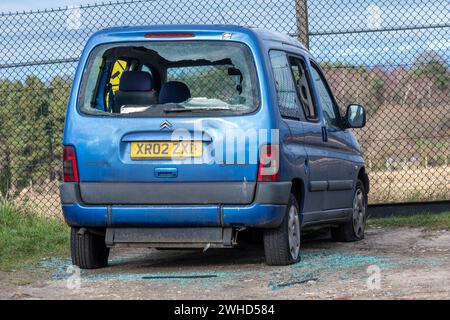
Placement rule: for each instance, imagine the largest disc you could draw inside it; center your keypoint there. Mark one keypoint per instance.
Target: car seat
(135, 88)
(174, 92)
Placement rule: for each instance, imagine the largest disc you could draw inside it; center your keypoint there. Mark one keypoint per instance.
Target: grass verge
(25, 238)
(438, 221)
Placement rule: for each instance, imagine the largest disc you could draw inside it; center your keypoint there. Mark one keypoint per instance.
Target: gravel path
(392, 263)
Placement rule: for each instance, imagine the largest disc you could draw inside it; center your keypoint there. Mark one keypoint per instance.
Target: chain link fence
(391, 56)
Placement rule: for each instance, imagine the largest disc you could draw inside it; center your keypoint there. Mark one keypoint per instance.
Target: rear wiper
(174, 110)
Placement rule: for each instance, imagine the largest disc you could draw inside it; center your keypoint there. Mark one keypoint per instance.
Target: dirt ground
(411, 264)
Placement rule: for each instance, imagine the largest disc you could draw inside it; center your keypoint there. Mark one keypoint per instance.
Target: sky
(27, 5)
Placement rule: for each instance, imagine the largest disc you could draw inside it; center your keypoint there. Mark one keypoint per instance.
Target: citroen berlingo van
(185, 136)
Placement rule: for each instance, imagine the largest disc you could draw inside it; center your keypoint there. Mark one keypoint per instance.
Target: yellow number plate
(166, 149)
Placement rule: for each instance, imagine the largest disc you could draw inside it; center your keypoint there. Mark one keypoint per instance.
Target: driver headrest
(136, 81)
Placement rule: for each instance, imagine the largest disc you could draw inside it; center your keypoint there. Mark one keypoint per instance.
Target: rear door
(110, 173)
(304, 146)
(341, 170)
(181, 157)
(291, 114)
(315, 164)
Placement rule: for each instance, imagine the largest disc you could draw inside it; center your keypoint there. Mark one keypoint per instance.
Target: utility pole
(301, 15)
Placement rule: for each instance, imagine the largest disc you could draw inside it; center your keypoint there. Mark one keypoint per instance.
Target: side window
(330, 114)
(147, 69)
(303, 87)
(286, 92)
(212, 82)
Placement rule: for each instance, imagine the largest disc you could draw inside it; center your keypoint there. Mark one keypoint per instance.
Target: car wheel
(353, 229)
(282, 244)
(88, 250)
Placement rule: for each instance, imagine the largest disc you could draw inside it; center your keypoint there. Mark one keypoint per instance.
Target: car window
(330, 114)
(303, 85)
(286, 92)
(148, 70)
(207, 78)
(210, 82)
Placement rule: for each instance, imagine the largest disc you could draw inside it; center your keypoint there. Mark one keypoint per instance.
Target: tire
(282, 244)
(353, 230)
(88, 250)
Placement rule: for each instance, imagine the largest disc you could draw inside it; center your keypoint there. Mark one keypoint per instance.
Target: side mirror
(355, 116)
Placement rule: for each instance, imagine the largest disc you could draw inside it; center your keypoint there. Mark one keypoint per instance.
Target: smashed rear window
(169, 78)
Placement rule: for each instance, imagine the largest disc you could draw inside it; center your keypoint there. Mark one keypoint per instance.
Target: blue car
(185, 136)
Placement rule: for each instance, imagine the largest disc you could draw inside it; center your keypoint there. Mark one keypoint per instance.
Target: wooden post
(301, 14)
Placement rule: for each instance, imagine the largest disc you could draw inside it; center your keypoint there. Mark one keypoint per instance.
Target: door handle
(324, 134)
(166, 172)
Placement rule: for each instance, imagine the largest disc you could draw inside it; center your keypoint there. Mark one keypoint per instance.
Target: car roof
(260, 33)
(269, 35)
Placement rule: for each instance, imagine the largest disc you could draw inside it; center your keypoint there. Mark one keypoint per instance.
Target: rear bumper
(266, 210)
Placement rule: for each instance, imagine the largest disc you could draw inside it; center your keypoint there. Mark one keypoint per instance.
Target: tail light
(268, 163)
(70, 168)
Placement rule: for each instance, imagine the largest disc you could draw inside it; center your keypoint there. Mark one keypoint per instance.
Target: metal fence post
(301, 15)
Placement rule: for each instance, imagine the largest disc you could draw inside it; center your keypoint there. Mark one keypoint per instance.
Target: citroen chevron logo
(165, 125)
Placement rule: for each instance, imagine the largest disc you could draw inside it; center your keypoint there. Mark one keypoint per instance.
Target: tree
(11, 93)
(430, 64)
(27, 111)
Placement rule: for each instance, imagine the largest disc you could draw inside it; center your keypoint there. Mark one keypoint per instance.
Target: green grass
(440, 221)
(26, 238)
